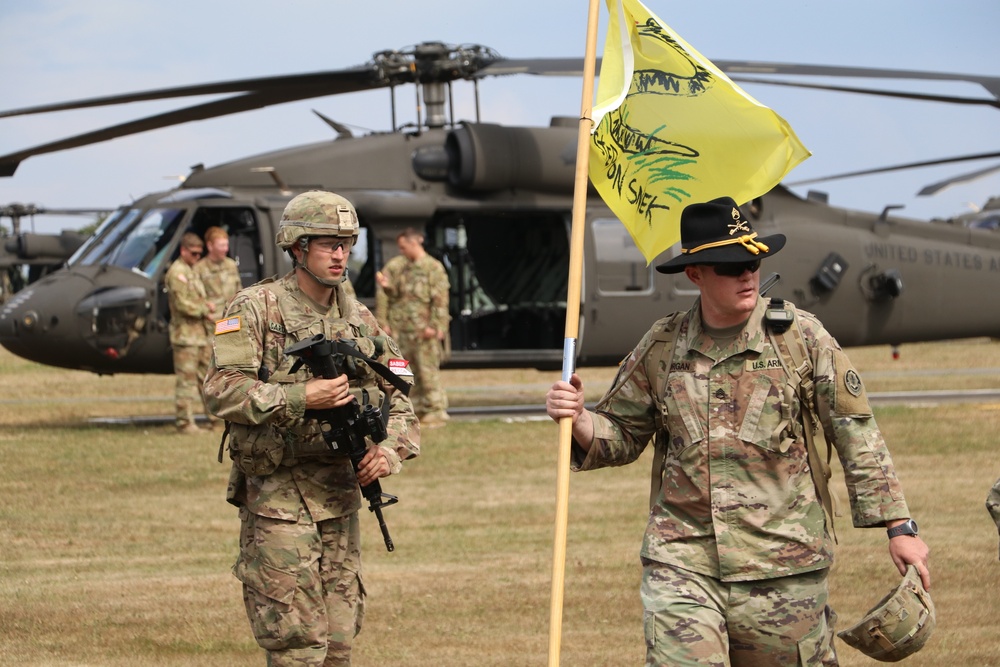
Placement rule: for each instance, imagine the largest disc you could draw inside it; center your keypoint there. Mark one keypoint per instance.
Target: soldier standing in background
(737, 547)
(300, 539)
(412, 305)
(190, 309)
(221, 277)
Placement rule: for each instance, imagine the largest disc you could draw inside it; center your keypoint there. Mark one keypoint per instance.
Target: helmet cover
(899, 625)
(316, 213)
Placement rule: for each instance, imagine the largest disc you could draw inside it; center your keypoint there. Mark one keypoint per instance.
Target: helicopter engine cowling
(484, 157)
(57, 247)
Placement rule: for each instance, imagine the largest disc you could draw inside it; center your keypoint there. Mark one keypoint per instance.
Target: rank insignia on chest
(277, 327)
(763, 364)
(227, 325)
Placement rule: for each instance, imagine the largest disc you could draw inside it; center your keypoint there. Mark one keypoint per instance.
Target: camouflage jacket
(260, 322)
(188, 307)
(221, 280)
(737, 500)
(417, 295)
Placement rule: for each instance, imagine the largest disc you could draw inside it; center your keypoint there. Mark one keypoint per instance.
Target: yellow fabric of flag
(671, 130)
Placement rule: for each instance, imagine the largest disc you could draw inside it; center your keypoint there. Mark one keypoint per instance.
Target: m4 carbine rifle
(346, 427)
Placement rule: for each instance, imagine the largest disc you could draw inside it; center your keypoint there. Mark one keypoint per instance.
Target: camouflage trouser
(302, 588)
(424, 355)
(190, 367)
(692, 620)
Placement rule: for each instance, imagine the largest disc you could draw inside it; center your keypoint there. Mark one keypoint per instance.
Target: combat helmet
(899, 625)
(316, 213)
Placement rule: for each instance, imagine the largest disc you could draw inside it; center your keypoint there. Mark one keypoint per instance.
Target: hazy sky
(55, 50)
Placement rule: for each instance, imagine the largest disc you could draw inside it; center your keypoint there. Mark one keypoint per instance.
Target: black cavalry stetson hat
(717, 232)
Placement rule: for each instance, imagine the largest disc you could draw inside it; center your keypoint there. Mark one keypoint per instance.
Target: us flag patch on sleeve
(228, 325)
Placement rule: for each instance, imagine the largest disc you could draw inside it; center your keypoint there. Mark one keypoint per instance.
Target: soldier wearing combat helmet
(732, 392)
(300, 558)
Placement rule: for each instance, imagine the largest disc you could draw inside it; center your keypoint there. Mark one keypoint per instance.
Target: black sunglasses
(736, 269)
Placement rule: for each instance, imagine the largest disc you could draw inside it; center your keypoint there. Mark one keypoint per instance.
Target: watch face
(908, 527)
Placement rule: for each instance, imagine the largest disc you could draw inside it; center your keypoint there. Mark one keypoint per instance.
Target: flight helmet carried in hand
(899, 625)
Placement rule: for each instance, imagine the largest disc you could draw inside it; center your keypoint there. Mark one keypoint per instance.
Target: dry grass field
(116, 541)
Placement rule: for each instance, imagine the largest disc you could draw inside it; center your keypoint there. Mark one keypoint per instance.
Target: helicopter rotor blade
(15, 209)
(332, 83)
(990, 83)
(898, 167)
(223, 107)
(934, 188)
(535, 66)
(949, 99)
(428, 62)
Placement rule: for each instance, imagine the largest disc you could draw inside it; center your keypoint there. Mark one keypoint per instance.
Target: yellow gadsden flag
(671, 130)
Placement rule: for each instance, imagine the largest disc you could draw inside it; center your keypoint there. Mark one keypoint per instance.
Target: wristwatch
(908, 527)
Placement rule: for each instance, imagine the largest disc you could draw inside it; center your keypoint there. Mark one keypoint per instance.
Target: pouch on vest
(255, 450)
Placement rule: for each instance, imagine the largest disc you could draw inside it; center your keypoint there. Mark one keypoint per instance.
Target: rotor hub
(432, 62)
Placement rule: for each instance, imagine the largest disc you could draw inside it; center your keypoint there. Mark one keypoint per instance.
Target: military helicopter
(477, 189)
(27, 256)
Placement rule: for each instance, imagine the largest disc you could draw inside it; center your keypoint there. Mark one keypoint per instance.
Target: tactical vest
(785, 336)
(260, 449)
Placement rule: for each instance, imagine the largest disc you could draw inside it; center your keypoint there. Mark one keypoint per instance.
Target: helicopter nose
(78, 319)
(33, 323)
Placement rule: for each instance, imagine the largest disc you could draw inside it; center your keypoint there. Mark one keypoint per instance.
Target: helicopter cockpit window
(990, 222)
(146, 243)
(621, 268)
(105, 237)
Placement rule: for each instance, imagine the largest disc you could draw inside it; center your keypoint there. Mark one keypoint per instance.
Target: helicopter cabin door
(620, 300)
(240, 223)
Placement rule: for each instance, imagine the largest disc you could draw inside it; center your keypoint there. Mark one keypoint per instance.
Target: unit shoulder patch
(853, 382)
(850, 397)
(400, 367)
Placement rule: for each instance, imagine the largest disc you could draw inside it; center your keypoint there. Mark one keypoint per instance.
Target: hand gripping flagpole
(572, 330)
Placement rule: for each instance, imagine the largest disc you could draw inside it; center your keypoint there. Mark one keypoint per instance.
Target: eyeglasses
(736, 269)
(196, 253)
(332, 245)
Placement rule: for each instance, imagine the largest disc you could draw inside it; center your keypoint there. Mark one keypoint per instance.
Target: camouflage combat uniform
(417, 297)
(300, 560)
(189, 316)
(222, 281)
(993, 503)
(737, 513)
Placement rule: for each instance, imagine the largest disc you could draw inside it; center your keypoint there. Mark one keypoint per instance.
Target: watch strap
(905, 528)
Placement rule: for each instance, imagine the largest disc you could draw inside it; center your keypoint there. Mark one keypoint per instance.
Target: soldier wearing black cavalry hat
(737, 395)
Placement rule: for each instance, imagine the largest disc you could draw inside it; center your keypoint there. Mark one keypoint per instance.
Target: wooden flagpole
(572, 330)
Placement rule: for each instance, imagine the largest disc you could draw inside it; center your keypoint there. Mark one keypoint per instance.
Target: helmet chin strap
(325, 282)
